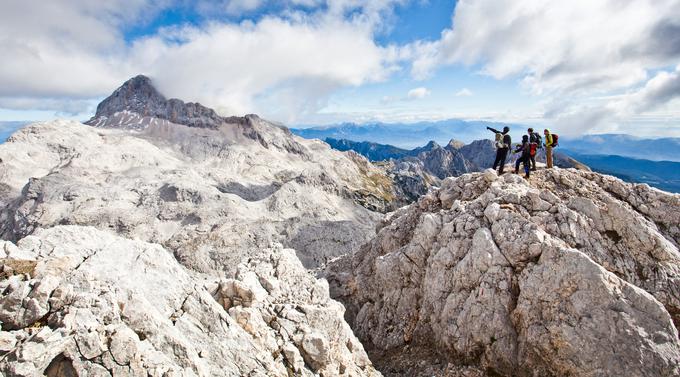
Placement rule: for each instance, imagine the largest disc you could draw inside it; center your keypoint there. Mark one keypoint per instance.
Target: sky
(578, 66)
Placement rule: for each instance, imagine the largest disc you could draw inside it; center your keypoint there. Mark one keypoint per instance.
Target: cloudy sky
(579, 66)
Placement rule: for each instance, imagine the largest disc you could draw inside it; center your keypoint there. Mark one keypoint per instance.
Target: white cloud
(64, 48)
(276, 67)
(280, 67)
(658, 91)
(609, 113)
(563, 51)
(465, 92)
(418, 93)
(564, 45)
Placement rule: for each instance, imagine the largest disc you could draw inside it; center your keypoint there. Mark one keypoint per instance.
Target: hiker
(525, 157)
(535, 143)
(503, 143)
(550, 143)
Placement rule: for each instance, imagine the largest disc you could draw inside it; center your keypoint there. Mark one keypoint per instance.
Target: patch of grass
(383, 185)
(11, 267)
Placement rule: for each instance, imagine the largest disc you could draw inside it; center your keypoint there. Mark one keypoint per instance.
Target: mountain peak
(137, 103)
(139, 84)
(432, 145)
(455, 144)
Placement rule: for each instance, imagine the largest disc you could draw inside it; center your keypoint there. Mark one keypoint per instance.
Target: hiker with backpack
(525, 157)
(535, 144)
(503, 141)
(550, 143)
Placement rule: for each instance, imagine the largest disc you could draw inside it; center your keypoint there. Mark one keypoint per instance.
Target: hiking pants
(501, 155)
(527, 164)
(533, 161)
(548, 157)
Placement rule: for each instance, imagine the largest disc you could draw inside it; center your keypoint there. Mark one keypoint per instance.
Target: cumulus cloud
(563, 51)
(64, 48)
(239, 68)
(658, 91)
(279, 66)
(418, 93)
(465, 92)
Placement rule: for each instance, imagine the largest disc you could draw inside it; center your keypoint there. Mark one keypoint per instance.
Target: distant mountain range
(651, 161)
(664, 175)
(416, 170)
(405, 135)
(667, 149)
(478, 155)
(409, 136)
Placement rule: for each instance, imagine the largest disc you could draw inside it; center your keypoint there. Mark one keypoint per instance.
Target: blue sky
(581, 66)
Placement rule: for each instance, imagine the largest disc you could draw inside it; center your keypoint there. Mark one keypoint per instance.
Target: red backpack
(532, 149)
(554, 137)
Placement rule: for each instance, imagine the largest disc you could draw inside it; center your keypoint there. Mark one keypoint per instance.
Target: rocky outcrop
(137, 103)
(165, 249)
(410, 178)
(99, 305)
(444, 162)
(480, 153)
(571, 273)
(210, 198)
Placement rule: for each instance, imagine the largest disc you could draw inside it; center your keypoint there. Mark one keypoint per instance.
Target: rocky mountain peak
(133, 94)
(432, 145)
(137, 103)
(455, 144)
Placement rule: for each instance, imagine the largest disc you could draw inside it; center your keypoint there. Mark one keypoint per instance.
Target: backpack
(538, 140)
(499, 141)
(532, 149)
(554, 137)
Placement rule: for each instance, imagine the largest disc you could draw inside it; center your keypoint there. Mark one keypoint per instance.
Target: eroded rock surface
(572, 273)
(102, 305)
(207, 195)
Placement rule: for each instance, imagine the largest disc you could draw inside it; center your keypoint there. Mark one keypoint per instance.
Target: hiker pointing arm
(503, 143)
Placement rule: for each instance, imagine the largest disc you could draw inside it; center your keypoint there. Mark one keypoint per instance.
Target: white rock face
(210, 196)
(163, 251)
(572, 273)
(103, 305)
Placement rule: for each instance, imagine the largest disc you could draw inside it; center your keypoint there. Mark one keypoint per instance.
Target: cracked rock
(570, 273)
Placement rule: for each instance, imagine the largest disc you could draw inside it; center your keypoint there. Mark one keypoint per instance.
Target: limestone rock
(570, 273)
(123, 307)
(210, 197)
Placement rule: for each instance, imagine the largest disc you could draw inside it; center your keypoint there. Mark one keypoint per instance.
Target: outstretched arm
(493, 130)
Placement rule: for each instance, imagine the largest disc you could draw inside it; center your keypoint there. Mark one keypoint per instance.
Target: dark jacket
(534, 138)
(525, 149)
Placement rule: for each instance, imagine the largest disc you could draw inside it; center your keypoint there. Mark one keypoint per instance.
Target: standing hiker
(550, 143)
(503, 143)
(535, 143)
(525, 157)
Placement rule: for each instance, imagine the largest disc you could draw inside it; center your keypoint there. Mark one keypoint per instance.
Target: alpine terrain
(163, 239)
(415, 171)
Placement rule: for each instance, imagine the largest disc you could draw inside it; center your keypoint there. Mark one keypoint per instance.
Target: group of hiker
(531, 143)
